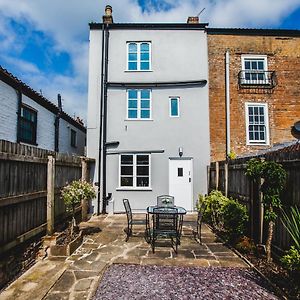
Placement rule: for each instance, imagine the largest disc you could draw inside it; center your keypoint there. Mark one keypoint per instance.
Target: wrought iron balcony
(261, 79)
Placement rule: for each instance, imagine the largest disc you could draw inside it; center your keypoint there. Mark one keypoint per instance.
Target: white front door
(181, 182)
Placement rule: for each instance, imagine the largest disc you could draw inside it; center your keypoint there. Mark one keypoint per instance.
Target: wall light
(180, 151)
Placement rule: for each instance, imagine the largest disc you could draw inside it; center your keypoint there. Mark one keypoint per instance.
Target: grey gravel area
(123, 281)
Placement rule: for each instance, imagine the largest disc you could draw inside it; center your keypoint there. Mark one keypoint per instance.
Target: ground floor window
(135, 170)
(257, 123)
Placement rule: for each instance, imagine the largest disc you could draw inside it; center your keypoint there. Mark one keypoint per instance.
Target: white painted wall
(8, 113)
(177, 55)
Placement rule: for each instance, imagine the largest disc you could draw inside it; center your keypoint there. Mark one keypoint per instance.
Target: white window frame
(139, 99)
(139, 56)
(249, 142)
(135, 187)
(253, 57)
(170, 106)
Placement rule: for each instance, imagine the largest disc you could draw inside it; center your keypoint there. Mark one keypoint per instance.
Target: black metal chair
(197, 232)
(165, 201)
(166, 224)
(130, 220)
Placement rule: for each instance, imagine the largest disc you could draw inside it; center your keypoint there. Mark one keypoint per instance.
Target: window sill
(257, 144)
(130, 71)
(134, 189)
(138, 120)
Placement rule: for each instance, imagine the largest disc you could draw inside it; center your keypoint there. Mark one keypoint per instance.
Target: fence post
(84, 177)
(226, 178)
(217, 175)
(50, 194)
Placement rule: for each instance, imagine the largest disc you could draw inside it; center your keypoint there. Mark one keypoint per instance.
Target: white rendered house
(148, 112)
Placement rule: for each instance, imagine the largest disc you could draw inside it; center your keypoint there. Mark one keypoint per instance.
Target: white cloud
(66, 23)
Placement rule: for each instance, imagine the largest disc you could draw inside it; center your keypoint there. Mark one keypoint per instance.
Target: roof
(254, 31)
(151, 26)
(19, 85)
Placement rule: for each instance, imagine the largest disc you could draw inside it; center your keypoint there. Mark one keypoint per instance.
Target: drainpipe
(19, 93)
(56, 124)
(100, 126)
(104, 197)
(227, 97)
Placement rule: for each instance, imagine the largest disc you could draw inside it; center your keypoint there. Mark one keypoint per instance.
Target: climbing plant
(273, 180)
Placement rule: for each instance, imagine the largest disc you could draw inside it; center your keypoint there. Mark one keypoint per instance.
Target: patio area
(79, 276)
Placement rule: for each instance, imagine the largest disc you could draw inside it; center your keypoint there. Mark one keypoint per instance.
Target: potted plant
(72, 194)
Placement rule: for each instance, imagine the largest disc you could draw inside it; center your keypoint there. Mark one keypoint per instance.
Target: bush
(225, 215)
(235, 217)
(292, 260)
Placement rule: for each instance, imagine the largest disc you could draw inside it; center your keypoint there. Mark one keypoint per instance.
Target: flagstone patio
(78, 276)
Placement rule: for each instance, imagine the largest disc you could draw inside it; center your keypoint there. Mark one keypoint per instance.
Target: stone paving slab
(78, 276)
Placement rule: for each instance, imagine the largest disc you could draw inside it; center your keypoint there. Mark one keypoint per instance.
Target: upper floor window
(138, 56)
(73, 138)
(135, 170)
(174, 106)
(28, 125)
(257, 123)
(139, 104)
(254, 69)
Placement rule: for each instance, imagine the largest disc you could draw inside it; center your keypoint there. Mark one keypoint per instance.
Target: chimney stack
(193, 20)
(107, 18)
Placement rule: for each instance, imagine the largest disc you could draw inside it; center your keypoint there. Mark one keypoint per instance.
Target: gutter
(56, 124)
(100, 127)
(162, 84)
(19, 94)
(227, 100)
(104, 198)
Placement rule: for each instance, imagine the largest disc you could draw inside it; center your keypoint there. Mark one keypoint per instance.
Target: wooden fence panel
(23, 190)
(241, 188)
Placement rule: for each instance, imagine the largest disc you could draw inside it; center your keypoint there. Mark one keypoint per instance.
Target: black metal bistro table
(168, 214)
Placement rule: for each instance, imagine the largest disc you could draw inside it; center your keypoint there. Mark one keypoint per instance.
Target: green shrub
(213, 212)
(292, 260)
(235, 217)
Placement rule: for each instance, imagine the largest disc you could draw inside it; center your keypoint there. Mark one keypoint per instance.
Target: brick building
(263, 68)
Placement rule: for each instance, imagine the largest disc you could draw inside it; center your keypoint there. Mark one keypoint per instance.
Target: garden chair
(197, 232)
(130, 220)
(165, 201)
(165, 224)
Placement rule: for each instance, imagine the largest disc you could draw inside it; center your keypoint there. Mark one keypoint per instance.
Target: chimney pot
(107, 18)
(193, 20)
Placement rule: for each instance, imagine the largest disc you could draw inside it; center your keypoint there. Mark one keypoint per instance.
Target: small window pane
(174, 107)
(145, 56)
(247, 65)
(255, 109)
(142, 159)
(132, 66)
(251, 135)
(126, 159)
(142, 181)
(262, 136)
(132, 94)
(145, 104)
(262, 119)
(132, 104)
(260, 65)
(127, 170)
(180, 172)
(261, 110)
(132, 56)
(251, 119)
(144, 47)
(144, 170)
(132, 114)
(145, 66)
(254, 65)
(145, 114)
(126, 181)
(250, 109)
(132, 47)
(145, 94)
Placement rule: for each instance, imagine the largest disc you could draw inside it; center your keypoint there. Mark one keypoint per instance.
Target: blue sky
(45, 43)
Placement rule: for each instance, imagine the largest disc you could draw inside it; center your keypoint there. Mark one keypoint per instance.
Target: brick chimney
(193, 20)
(107, 18)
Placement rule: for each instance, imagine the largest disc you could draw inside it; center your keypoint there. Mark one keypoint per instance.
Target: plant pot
(68, 249)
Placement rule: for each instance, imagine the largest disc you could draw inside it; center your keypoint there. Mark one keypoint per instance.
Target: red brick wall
(283, 57)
